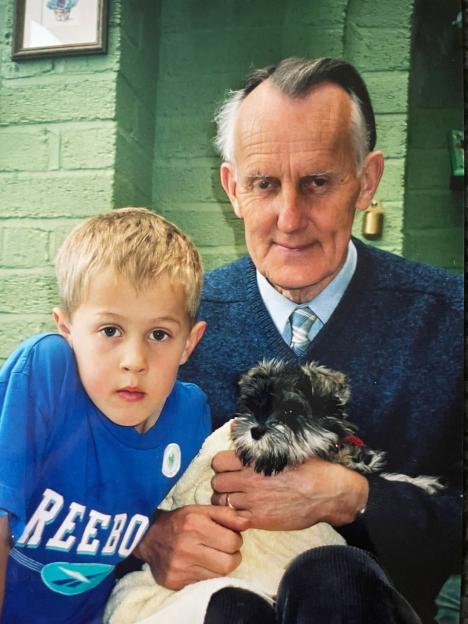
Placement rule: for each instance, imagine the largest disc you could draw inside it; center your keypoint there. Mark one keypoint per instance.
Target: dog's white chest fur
(265, 554)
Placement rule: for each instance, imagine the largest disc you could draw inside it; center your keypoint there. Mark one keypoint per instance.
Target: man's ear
(227, 175)
(370, 177)
(196, 334)
(63, 323)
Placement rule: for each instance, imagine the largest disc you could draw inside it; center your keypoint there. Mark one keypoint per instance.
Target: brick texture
(134, 127)
(135, 104)
(57, 161)
(433, 226)
(203, 55)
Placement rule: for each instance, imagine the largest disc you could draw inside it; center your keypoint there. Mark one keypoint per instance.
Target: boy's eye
(110, 332)
(159, 335)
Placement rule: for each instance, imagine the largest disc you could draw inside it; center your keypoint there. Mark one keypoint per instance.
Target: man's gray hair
(296, 77)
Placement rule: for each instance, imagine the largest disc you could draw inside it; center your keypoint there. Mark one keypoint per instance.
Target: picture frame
(56, 28)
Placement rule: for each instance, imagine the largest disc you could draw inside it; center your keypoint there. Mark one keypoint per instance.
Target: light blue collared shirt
(322, 305)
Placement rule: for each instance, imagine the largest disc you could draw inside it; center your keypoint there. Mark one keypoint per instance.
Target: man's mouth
(293, 248)
(131, 394)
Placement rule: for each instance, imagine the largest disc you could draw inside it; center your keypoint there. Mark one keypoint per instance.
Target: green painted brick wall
(82, 135)
(208, 47)
(434, 213)
(57, 156)
(135, 103)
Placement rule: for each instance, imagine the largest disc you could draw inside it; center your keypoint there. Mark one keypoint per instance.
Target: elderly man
(298, 148)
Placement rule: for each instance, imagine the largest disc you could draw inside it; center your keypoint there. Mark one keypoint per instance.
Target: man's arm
(192, 543)
(415, 536)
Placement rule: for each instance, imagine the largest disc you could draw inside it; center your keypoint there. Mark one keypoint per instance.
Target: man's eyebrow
(316, 174)
(258, 174)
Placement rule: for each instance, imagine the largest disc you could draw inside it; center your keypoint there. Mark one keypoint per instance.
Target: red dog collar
(351, 439)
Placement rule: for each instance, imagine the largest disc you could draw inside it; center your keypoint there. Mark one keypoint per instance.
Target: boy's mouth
(131, 394)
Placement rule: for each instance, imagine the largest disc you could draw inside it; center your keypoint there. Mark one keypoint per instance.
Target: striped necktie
(301, 322)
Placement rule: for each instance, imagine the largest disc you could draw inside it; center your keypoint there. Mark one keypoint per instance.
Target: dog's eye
(290, 408)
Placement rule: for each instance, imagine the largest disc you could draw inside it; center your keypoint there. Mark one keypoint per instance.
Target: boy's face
(129, 345)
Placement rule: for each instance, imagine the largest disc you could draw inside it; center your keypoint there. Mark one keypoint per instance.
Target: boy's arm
(4, 550)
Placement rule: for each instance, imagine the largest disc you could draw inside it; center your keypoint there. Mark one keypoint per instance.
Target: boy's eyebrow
(152, 321)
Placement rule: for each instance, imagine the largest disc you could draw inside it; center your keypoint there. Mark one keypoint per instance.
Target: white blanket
(265, 556)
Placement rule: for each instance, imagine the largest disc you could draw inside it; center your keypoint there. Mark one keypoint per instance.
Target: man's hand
(192, 543)
(296, 498)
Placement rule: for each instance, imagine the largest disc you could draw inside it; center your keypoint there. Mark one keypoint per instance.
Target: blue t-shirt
(79, 489)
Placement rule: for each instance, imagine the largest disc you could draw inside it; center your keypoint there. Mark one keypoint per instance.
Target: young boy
(94, 427)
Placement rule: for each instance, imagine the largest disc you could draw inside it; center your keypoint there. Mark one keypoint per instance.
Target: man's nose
(133, 359)
(291, 210)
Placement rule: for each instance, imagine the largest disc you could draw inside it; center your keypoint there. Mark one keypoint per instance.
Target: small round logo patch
(171, 460)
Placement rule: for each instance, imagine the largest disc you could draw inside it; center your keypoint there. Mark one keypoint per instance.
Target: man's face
(295, 185)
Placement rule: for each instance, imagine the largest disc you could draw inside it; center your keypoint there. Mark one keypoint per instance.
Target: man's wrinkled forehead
(323, 115)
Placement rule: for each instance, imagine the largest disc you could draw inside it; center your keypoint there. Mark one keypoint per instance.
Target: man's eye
(110, 332)
(159, 335)
(263, 184)
(316, 183)
(319, 183)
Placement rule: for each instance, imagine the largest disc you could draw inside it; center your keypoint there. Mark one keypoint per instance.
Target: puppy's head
(287, 413)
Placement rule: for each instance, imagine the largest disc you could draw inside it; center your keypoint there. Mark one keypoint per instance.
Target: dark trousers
(327, 585)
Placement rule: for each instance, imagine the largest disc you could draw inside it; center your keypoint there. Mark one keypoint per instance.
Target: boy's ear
(196, 334)
(63, 324)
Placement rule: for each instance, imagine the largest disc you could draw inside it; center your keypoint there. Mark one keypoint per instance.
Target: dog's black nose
(257, 432)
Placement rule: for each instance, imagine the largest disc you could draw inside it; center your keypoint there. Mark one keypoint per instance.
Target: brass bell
(372, 222)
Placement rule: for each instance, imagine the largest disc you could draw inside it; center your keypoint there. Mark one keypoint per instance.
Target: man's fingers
(228, 519)
(206, 545)
(237, 481)
(210, 564)
(216, 563)
(193, 543)
(237, 500)
(226, 461)
(213, 534)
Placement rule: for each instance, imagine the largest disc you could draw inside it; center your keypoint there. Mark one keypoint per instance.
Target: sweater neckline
(266, 327)
(329, 331)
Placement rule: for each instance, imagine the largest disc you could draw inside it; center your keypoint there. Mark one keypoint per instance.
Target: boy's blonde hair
(134, 243)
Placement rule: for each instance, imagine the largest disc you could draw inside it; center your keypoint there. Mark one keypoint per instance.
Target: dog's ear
(260, 373)
(331, 381)
(255, 387)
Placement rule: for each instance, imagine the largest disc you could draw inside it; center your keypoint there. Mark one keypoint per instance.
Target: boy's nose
(133, 368)
(133, 361)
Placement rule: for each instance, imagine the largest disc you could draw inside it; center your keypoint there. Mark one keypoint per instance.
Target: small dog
(288, 413)
(285, 414)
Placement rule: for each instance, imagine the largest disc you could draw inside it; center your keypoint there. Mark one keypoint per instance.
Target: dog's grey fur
(288, 413)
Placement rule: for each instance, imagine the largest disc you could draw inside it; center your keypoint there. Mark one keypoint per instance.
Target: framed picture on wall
(45, 28)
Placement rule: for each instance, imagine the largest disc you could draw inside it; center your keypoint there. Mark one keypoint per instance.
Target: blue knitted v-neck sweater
(397, 333)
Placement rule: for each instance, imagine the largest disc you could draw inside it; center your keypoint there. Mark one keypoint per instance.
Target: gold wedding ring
(228, 502)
